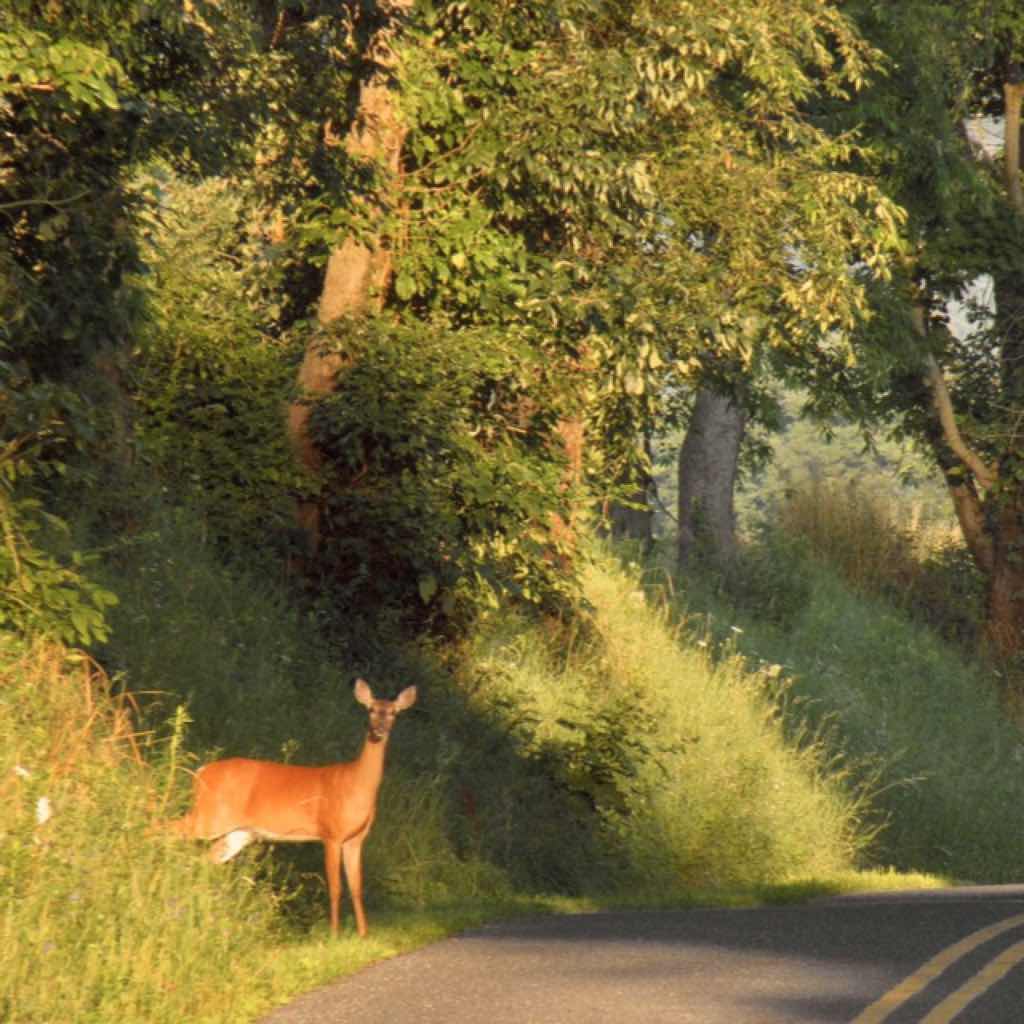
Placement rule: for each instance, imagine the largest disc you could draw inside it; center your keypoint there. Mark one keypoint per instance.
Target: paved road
(926, 958)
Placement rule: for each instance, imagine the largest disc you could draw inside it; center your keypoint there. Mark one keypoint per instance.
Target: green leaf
(405, 286)
(428, 587)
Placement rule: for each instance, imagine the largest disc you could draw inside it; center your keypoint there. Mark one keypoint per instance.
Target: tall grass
(537, 760)
(104, 917)
(902, 552)
(609, 759)
(866, 651)
(686, 760)
(258, 679)
(98, 922)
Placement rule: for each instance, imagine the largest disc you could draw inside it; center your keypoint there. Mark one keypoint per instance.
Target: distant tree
(708, 462)
(767, 235)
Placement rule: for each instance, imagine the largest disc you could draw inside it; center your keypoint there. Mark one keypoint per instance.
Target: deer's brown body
(238, 800)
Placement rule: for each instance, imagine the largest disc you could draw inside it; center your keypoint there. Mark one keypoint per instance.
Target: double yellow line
(981, 982)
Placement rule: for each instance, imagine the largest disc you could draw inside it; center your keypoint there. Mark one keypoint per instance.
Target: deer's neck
(369, 765)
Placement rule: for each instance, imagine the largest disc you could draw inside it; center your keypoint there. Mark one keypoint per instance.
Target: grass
(102, 920)
(547, 766)
(912, 558)
(98, 923)
(719, 798)
(914, 714)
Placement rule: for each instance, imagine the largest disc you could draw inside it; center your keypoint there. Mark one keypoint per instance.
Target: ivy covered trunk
(359, 269)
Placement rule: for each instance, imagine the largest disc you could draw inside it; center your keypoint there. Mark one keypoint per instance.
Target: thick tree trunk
(358, 274)
(1005, 621)
(708, 462)
(571, 433)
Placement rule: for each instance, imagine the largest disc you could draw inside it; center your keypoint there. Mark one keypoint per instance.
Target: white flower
(44, 810)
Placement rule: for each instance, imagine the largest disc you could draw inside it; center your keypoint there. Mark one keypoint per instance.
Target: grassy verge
(837, 602)
(545, 768)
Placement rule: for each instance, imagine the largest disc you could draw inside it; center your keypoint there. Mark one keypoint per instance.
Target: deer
(237, 800)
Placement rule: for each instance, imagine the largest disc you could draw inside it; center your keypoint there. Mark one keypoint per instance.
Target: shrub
(442, 475)
(208, 378)
(45, 586)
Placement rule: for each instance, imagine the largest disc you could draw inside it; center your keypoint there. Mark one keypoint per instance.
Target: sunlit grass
(894, 688)
(623, 760)
(912, 558)
(703, 790)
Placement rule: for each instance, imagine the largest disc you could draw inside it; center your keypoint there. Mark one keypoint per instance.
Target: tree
(360, 266)
(87, 91)
(962, 397)
(747, 274)
(708, 460)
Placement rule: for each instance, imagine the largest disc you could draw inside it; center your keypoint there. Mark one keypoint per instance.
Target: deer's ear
(363, 693)
(405, 699)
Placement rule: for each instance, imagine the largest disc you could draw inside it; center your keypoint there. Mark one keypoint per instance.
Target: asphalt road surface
(921, 957)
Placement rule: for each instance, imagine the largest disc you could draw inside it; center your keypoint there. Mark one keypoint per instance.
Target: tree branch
(1013, 94)
(19, 203)
(943, 405)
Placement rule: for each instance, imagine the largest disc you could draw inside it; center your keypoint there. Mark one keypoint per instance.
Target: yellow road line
(993, 972)
(928, 972)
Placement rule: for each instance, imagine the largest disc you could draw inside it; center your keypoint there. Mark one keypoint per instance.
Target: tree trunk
(953, 454)
(358, 274)
(1004, 628)
(708, 462)
(993, 522)
(635, 522)
(1005, 623)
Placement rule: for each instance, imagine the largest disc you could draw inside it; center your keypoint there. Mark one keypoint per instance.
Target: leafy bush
(769, 578)
(442, 475)
(208, 380)
(44, 586)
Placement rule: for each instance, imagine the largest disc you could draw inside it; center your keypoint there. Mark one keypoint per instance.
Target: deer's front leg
(332, 868)
(353, 852)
